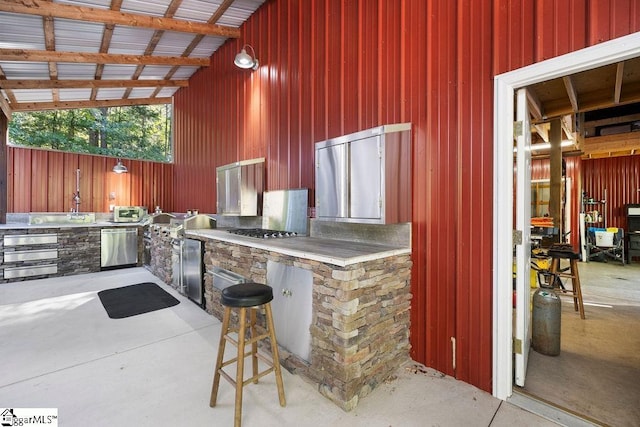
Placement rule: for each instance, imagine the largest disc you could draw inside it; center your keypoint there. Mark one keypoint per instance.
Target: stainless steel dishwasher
(118, 247)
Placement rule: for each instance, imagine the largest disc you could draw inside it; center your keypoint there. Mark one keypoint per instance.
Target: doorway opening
(504, 97)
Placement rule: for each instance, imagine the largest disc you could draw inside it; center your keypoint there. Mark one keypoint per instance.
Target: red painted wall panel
(45, 181)
(330, 67)
(620, 177)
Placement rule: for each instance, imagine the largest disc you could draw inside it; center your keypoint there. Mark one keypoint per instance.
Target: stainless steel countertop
(330, 251)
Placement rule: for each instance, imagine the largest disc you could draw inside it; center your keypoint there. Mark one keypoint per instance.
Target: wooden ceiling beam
(97, 58)
(69, 105)
(611, 143)
(107, 16)
(5, 107)
(84, 84)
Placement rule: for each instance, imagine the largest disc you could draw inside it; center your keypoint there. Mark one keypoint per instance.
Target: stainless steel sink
(38, 218)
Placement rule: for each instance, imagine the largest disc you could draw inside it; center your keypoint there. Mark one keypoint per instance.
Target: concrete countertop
(330, 251)
(100, 224)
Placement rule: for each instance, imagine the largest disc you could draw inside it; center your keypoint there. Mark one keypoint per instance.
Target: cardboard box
(604, 239)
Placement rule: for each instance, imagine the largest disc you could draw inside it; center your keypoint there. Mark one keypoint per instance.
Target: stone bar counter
(360, 304)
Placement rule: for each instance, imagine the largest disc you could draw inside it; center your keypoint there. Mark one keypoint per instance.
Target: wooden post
(555, 181)
(4, 125)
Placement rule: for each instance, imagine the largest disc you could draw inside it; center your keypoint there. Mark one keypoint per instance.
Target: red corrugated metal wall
(330, 67)
(620, 177)
(45, 181)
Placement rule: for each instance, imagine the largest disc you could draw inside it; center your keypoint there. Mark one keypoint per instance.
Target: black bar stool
(560, 252)
(246, 296)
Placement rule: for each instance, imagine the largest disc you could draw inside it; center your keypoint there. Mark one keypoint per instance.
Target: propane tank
(545, 332)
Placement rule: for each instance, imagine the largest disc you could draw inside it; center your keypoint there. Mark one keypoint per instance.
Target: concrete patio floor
(61, 350)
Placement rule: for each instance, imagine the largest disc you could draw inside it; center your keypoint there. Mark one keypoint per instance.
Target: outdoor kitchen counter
(54, 225)
(330, 251)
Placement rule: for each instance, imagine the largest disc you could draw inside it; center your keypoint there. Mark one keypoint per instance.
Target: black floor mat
(135, 299)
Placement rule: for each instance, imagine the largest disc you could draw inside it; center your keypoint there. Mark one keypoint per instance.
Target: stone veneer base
(360, 317)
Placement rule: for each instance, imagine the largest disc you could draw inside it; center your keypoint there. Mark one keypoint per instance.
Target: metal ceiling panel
(142, 92)
(99, 4)
(38, 95)
(118, 71)
(167, 91)
(14, 36)
(172, 43)
(206, 45)
(74, 94)
(72, 36)
(104, 94)
(239, 12)
(152, 7)
(197, 10)
(130, 40)
(157, 71)
(25, 70)
(184, 72)
(76, 71)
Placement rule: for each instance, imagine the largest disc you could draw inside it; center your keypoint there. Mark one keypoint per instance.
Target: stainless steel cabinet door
(365, 178)
(292, 306)
(331, 185)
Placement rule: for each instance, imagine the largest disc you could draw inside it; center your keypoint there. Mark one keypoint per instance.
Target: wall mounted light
(120, 168)
(244, 60)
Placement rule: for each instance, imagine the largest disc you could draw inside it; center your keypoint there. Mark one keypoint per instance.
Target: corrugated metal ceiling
(29, 30)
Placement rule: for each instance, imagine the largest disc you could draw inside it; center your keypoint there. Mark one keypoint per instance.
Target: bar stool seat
(558, 253)
(246, 296)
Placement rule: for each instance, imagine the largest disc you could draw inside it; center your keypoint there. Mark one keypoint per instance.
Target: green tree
(138, 132)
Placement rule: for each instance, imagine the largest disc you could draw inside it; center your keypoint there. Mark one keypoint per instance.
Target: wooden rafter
(97, 58)
(107, 16)
(83, 84)
(68, 105)
(107, 34)
(50, 45)
(151, 47)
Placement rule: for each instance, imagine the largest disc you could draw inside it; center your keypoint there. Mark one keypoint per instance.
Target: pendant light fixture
(120, 168)
(244, 60)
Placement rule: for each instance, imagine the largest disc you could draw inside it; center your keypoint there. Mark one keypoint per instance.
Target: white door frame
(505, 85)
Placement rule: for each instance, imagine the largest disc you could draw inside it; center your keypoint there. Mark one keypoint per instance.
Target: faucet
(76, 195)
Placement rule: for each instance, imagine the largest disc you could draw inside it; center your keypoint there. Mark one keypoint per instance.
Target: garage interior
(596, 374)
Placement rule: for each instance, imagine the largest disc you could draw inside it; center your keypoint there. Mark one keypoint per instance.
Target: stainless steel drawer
(38, 270)
(33, 255)
(30, 239)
